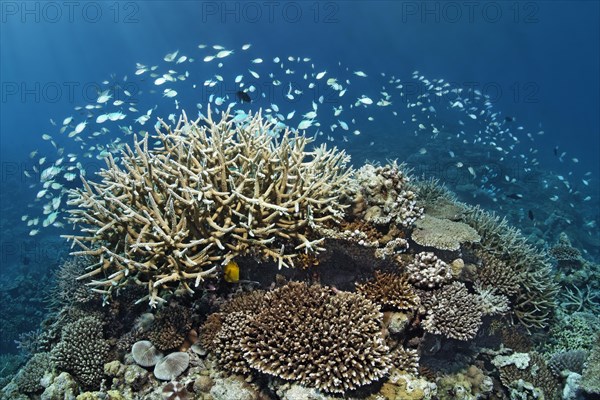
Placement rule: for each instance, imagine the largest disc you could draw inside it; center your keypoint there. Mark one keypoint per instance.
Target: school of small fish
(331, 105)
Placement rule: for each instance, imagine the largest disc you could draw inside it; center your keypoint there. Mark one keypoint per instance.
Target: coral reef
(69, 290)
(227, 344)
(443, 234)
(389, 291)
(567, 257)
(490, 301)
(365, 313)
(405, 360)
(576, 331)
(470, 383)
(212, 191)
(339, 333)
(498, 275)
(532, 369)
(82, 350)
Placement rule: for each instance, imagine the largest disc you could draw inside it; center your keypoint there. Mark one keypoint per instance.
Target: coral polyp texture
(212, 190)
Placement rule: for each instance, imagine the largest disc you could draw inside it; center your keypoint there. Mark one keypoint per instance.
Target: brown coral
(228, 343)
(453, 312)
(406, 360)
(82, 351)
(246, 302)
(389, 291)
(209, 330)
(170, 327)
(388, 195)
(308, 334)
(536, 372)
(497, 274)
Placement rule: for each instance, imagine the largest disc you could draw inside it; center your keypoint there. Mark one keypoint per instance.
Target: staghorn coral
(427, 271)
(82, 350)
(453, 312)
(491, 302)
(387, 195)
(535, 302)
(389, 291)
(308, 334)
(212, 191)
(443, 234)
(431, 191)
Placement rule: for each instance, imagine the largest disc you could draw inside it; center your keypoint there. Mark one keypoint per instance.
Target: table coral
(443, 234)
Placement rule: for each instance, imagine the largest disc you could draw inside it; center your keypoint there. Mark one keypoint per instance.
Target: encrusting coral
(211, 191)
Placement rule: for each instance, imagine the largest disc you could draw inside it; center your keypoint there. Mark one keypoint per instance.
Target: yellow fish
(231, 272)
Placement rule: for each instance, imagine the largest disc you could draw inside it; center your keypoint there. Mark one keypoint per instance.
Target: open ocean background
(538, 61)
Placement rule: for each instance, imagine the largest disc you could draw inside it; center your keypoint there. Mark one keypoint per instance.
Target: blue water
(538, 62)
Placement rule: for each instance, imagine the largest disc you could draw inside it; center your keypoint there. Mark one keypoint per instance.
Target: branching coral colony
(212, 191)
